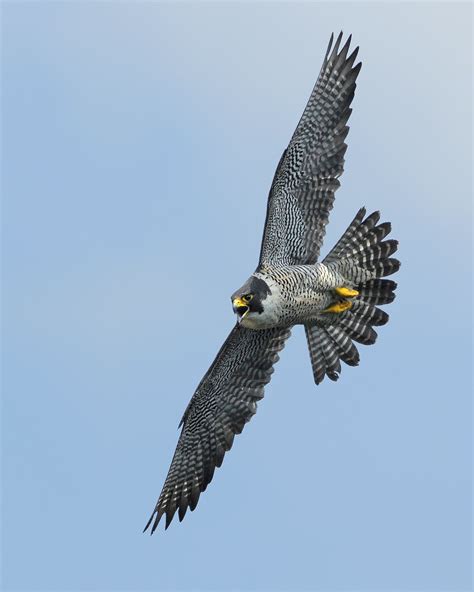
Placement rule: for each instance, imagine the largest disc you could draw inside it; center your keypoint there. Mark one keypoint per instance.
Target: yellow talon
(346, 292)
(339, 306)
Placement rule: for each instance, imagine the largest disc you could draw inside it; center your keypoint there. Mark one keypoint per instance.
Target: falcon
(336, 299)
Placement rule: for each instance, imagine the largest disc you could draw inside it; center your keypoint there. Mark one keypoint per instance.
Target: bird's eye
(247, 297)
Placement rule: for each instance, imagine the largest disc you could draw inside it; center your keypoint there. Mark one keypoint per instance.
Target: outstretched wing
(302, 192)
(224, 401)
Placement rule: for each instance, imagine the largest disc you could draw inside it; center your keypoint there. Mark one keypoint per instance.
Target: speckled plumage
(298, 294)
(289, 287)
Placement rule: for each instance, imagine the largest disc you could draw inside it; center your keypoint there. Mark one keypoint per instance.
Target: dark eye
(247, 297)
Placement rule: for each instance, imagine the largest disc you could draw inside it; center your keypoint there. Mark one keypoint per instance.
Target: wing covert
(224, 401)
(306, 179)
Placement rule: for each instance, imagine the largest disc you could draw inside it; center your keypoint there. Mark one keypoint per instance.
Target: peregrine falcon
(336, 299)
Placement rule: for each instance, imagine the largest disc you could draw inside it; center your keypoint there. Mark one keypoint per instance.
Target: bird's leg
(338, 307)
(346, 292)
(342, 305)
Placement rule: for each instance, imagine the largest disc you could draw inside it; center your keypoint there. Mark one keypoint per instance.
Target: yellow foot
(339, 306)
(346, 292)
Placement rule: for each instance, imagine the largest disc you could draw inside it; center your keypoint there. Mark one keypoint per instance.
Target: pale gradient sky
(139, 144)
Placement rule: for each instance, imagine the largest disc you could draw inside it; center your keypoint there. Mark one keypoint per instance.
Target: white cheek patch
(266, 319)
(253, 320)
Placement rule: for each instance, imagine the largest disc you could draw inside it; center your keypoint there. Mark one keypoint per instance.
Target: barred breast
(298, 294)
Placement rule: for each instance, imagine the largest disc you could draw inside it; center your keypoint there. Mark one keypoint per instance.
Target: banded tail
(364, 258)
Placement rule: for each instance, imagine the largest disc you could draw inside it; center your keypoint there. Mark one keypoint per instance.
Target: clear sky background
(139, 144)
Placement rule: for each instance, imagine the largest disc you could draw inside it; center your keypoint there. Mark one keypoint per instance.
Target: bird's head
(247, 301)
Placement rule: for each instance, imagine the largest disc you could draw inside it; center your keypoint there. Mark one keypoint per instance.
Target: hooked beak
(241, 309)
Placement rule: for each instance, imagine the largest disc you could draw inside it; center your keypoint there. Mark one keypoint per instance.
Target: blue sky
(139, 144)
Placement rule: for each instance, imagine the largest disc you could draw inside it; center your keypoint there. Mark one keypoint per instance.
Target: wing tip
(154, 520)
(147, 525)
(334, 46)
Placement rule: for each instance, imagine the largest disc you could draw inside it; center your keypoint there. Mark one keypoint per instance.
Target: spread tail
(363, 257)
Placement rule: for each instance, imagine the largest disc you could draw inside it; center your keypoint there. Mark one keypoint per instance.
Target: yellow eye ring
(247, 297)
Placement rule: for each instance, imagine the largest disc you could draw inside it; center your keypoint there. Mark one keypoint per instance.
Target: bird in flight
(335, 299)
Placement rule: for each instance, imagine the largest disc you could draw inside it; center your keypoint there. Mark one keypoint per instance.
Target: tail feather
(345, 240)
(343, 343)
(376, 253)
(372, 315)
(373, 237)
(331, 357)
(368, 245)
(359, 330)
(315, 352)
(364, 243)
(353, 237)
(377, 291)
(324, 356)
(327, 347)
(384, 267)
(363, 257)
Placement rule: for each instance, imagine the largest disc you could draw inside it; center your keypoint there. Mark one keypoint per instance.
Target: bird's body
(336, 299)
(297, 294)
